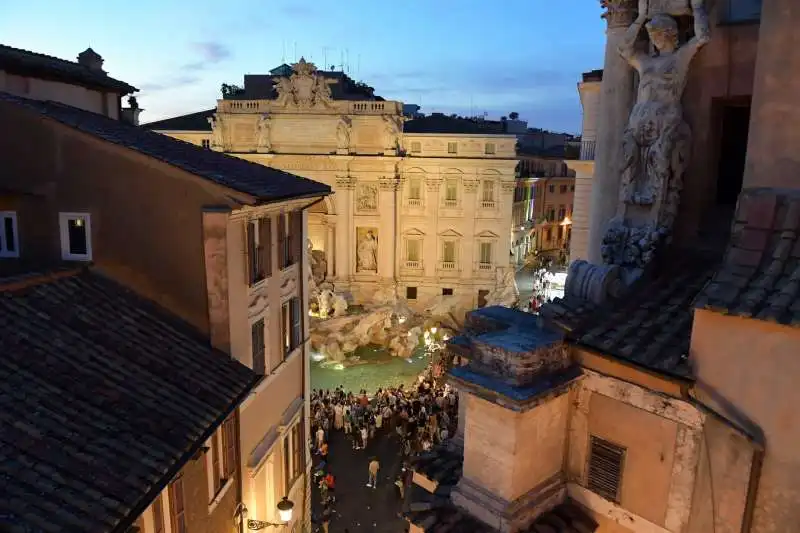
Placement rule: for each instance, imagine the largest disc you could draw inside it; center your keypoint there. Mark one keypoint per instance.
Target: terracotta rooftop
(19, 61)
(434, 512)
(263, 183)
(103, 398)
(760, 274)
(651, 326)
(191, 122)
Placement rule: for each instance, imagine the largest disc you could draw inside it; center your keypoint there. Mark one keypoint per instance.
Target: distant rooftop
(593, 75)
(265, 184)
(441, 123)
(19, 61)
(191, 122)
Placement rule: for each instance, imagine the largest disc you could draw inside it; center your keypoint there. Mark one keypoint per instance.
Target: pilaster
(345, 230)
(617, 97)
(330, 246)
(388, 245)
(430, 253)
(470, 205)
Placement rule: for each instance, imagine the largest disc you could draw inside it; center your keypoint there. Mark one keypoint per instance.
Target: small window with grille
(606, 462)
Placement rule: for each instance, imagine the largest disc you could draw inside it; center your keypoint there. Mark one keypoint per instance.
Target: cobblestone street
(359, 508)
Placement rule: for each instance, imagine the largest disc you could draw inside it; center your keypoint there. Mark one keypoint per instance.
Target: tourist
(320, 437)
(374, 466)
(364, 434)
(338, 416)
(326, 518)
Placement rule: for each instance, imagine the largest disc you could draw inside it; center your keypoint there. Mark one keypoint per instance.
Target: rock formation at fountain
(506, 292)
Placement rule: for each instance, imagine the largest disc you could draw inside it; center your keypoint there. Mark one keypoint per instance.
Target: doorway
(734, 126)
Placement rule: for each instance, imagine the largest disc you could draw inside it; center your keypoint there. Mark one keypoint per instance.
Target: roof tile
(102, 396)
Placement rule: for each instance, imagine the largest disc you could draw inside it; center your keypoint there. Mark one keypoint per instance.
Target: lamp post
(285, 508)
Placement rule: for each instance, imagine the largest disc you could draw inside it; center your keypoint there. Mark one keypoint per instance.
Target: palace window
(413, 250)
(606, 463)
(451, 192)
(9, 240)
(229, 448)
(258, 348)
(488, 193)
(414, 191)
(411, 293)
(486, 253)
(562, 212)
(562, 189)
(158, 514)
(449, 251)
(416, 147)
(292, 456)
(447, 292)
(489, 149)
(551, 213)
(76, 234)
(551, 188)
(452, 148)
(206, 144)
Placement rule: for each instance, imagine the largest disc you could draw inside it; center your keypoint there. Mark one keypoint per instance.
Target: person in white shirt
(320, 438)
(364, 434)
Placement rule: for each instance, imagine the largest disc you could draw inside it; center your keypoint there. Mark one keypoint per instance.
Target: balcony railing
(414, 202)
(487, 204)
(587, 150)
(413, 265)
(451, 203)
(484, 266)
(447, 265)
(350, 108)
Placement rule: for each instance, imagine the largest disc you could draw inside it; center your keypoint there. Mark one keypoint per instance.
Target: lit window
(452, 148)
(207, 144)
(9, 240)
(291, 319)
(414, 189)
(451, 191)
(488, 191)
(76, 233)
(489, 149)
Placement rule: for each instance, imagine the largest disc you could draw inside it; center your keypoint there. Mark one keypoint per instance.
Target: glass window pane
(8, 234)
(76, 229)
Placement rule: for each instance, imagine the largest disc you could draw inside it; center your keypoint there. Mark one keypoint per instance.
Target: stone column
(616, 101)
(344, 228)
(387, 229)
(774, 140)
(330, 246)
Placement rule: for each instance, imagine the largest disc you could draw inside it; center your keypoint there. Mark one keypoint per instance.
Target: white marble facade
(427, 213)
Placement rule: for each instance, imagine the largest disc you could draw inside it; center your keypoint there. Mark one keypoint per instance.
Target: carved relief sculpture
(217, 133)
(657, 140)
(391, 128)
(367, 253)
(304, 88)
(263, 140)
(367, 198)
(343, 133)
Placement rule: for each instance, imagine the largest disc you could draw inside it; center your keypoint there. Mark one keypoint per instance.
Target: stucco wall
(747, 370)
(104, 103)
(145, 215)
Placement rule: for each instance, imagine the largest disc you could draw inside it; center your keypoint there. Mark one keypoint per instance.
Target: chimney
(91, 60)
(130, 114)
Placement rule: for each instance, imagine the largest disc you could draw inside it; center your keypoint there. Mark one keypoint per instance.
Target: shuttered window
(606, 462)
(229, 448)
(258, 342)
(265, 244)
(177, 509)
(215, 464)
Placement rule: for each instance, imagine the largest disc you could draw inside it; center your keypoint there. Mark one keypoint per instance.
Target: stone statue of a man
(656, 142)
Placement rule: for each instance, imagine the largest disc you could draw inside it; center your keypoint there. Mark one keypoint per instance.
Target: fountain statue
(506, 292)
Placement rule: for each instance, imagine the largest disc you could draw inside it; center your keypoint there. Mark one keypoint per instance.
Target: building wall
(551, 197)
(102, 102)
(746, 370)
(584, 169)
(372, 194)
(145, 215)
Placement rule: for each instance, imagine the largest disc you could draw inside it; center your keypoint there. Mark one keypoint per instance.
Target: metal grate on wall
(606, 461)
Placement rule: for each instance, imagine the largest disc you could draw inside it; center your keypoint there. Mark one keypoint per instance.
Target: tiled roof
(264, 183)
(16, 60)
(650, 326)
(191, 122)
(760, 274)
(439, 123)
(103, 398)
(435, 513)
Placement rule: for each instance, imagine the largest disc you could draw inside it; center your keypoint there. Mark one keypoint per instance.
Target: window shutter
(250, 244)
(281, 240)
(297, 236)
(215, 462)
(265, 240)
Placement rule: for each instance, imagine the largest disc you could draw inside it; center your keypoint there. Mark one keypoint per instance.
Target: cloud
(208, 52)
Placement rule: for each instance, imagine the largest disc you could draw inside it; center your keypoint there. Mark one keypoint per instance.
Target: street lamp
(285, 507)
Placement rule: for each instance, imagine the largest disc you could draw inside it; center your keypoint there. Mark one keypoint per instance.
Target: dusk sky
(453, 56)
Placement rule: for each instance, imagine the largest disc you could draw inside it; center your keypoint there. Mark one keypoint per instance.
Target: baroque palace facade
(426, 213)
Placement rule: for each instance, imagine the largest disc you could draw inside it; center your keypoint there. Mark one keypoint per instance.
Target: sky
(454, 56)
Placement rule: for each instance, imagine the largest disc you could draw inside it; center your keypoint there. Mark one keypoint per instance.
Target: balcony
(447, 265)
(413, 265)
(451, 203)
(484, 266)
(488, 204)
(414, 202)
(587, 150)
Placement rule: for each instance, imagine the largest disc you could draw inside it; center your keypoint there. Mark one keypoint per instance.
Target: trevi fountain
(384, 342)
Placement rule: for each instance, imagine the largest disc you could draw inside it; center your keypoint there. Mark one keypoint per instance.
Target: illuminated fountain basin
(376, 368)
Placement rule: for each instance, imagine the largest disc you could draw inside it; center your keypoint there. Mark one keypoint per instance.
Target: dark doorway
(733, 152)
(482, 294)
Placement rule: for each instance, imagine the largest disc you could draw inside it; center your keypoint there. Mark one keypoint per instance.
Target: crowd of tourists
(420, 417)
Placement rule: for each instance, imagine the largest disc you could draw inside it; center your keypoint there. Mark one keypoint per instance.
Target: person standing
(326, 518)
(320, 437)
(364, 435)
(374, 466)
